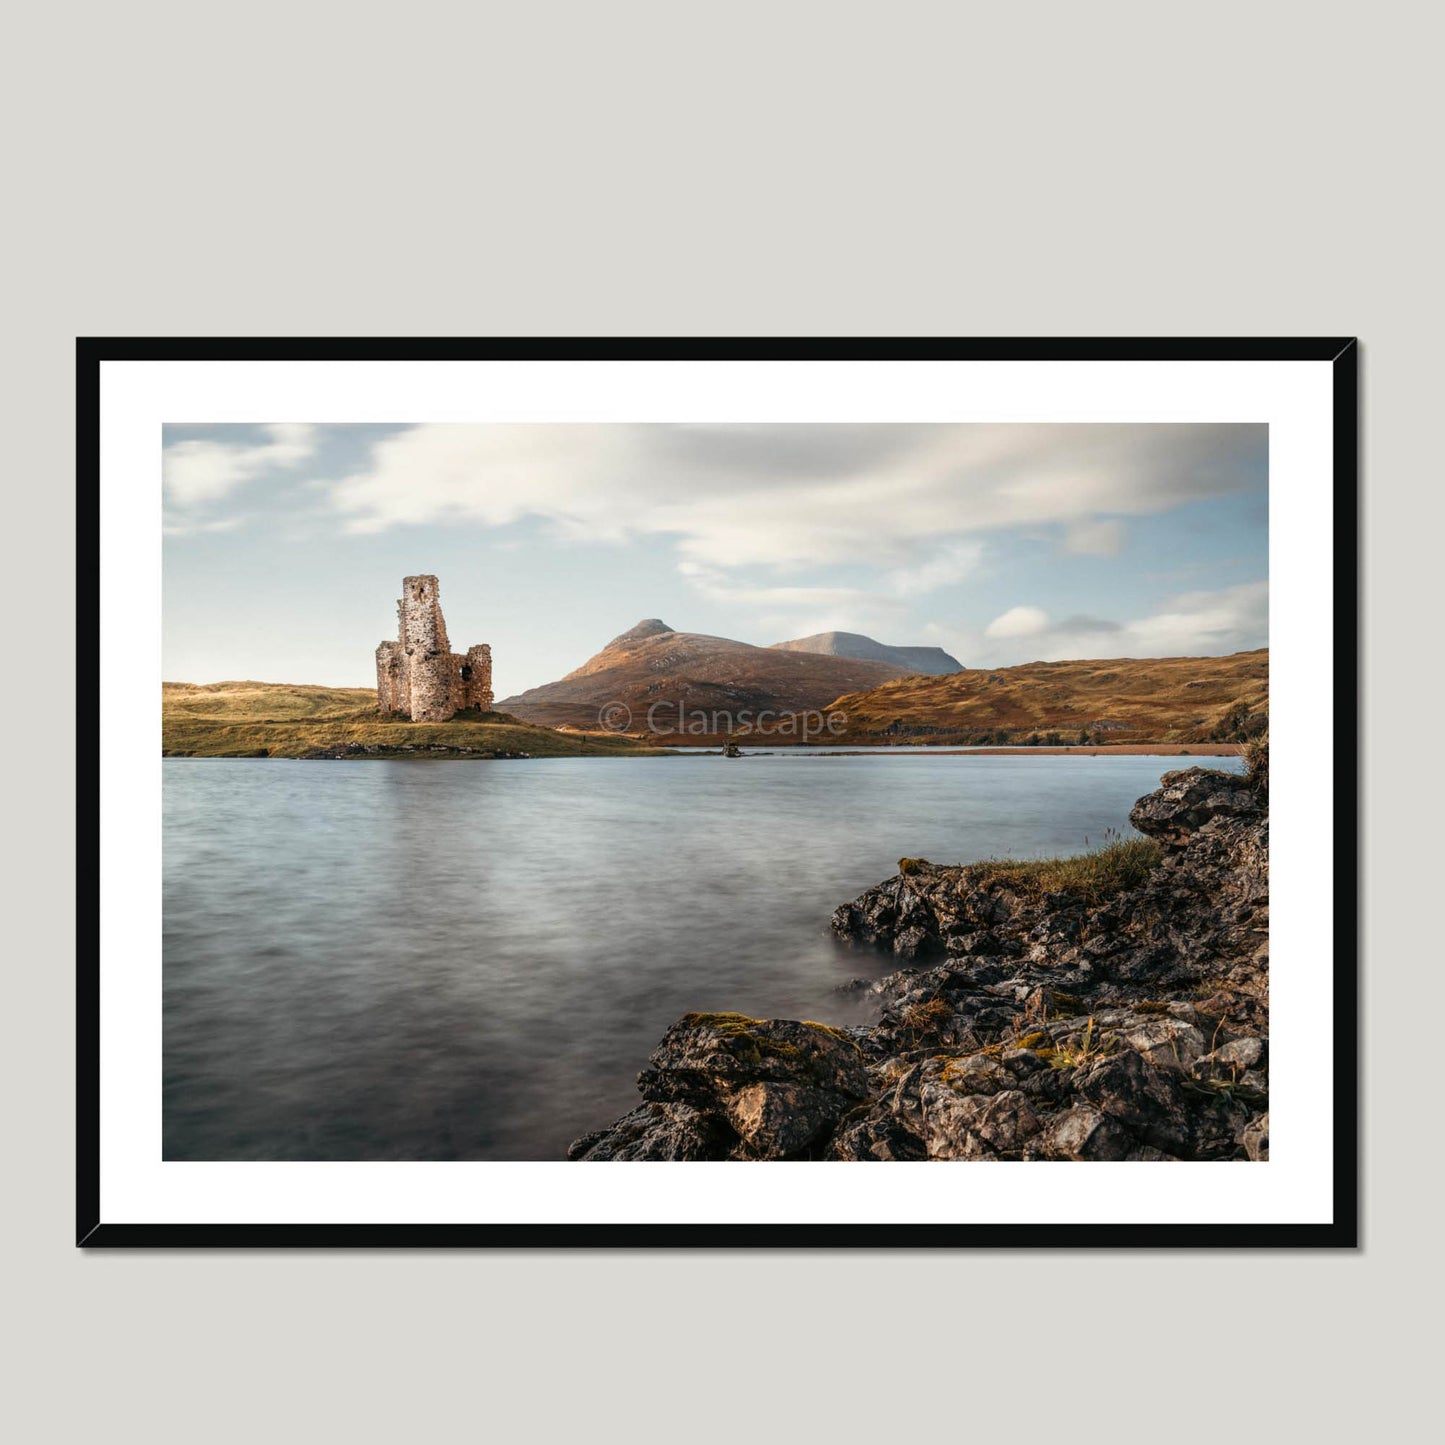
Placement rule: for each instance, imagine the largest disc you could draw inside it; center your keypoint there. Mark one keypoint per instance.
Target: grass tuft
(1094, 877)
(925, 1017)
(1256, 760)
(1065, 1056)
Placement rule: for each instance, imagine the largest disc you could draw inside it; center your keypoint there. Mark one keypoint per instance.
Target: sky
(285, 544)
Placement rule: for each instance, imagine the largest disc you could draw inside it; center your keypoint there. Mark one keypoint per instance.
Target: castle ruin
(418, 675)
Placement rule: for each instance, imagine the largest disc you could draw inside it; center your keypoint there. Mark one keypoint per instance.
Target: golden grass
(250, 719)
(236, 702)
(1094, 876)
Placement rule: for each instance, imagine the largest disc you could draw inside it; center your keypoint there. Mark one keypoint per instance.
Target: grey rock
(655, 1131)
(873, 1135)
(1167, 1042)
(1186, 800)
(727, 1086)
(1238, 1061)
(975, 1126)
(1082, 1133)
(1255, 1138)
(910, 943)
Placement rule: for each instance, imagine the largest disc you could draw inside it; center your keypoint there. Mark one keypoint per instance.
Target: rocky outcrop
(1198, 912)
(345, 751)
(1189, 799)
(727, 1086)
(1110, 1012)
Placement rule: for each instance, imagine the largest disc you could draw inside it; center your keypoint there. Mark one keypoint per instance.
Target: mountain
(652, 668)
(933, 661)
(1118, 700)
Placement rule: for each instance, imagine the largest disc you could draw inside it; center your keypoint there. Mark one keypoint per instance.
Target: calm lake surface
(472, 960)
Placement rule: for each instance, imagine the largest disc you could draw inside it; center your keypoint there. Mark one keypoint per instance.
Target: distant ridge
(930, 661)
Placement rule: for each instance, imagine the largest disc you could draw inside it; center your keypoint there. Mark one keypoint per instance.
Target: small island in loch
(282, 720)
(429, 703)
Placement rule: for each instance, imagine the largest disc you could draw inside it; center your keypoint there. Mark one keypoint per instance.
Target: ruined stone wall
(419, 676)
(420, 614)
(390, 698)
(433, 687)
(477, 677)
(431, 676)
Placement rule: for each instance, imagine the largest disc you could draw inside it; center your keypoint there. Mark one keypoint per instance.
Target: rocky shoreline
(1117, 1010)
(340, 752)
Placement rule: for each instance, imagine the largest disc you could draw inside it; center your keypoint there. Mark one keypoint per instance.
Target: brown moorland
(1124, 701)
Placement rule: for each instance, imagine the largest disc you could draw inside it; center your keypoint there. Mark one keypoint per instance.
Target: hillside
(1120, 700)
(931, 660)
(263, 719)
(652, 668)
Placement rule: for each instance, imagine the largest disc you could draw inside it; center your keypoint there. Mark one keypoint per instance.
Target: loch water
(472, 960)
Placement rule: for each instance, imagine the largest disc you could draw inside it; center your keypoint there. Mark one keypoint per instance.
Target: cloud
(1018, 622)
(905, 498)
(803, 610)
(798, 611)
(1228, 621)
(1095, 539)
(204, 471)
(1234, 619)
(177, 528)
(951, 564)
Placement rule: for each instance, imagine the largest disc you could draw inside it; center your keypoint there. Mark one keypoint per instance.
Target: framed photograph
(526, 763)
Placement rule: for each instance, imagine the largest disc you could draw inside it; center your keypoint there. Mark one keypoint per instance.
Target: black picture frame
(1342, 353)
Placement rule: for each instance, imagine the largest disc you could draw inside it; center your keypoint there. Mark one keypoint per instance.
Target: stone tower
(418, 675)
